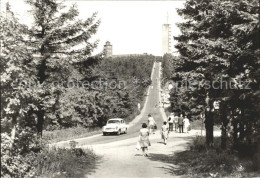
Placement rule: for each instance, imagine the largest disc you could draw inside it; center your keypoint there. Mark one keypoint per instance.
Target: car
(115, 125)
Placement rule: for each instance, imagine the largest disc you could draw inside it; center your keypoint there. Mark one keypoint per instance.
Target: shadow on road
(161, 142)
(175, 165)
(176, 162)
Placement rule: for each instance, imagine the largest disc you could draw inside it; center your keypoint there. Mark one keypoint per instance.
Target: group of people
(180, 122)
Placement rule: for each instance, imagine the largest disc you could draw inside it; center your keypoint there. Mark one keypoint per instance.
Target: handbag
(138, 146)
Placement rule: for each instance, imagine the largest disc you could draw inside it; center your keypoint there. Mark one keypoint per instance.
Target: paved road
(133, 131)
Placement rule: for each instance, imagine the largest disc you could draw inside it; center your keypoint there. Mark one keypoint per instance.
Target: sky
(132, 27)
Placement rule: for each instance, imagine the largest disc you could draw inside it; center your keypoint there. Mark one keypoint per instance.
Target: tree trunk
(40, 121)
(235, 132)
(209, 123)
(241, 131)
(223, 137)
(13, 132)
(224, 131)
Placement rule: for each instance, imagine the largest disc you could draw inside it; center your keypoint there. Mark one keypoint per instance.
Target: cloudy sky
(133, 27)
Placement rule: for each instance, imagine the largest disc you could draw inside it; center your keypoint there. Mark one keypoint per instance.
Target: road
(133, 131)
(119, 157)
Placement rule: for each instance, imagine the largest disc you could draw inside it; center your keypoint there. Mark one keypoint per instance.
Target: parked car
(115, 125)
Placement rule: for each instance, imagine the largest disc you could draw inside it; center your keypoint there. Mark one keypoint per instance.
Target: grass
(199, 124)
(201, 161)
(69, 134)
(61, 162)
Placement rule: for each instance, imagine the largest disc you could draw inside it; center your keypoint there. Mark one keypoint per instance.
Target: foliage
(31, 60)
(201, 161)
(38, 66)
(57, 162)
(69, 133)
(60, 41)
(135, 73)
(46, 163)
(219, 45)
(168, 67)
(13, 163)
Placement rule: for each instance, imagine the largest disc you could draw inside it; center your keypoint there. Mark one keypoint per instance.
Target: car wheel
(119, 132)
(104, 133)
(125, 131)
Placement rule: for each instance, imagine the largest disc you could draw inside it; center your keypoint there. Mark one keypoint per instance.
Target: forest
(47, 84)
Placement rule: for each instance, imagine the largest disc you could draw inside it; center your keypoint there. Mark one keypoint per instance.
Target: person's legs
(143, 150)
(171, 126)
(146, 151)
(150, 129)
(182, 128)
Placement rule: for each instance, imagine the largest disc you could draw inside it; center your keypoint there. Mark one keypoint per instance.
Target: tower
(166, 37)
(108, 49)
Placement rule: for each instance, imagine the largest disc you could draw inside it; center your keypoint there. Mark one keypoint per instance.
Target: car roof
(116, 119)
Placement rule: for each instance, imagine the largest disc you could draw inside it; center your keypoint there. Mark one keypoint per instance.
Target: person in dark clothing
(209, 123)
(180, 123)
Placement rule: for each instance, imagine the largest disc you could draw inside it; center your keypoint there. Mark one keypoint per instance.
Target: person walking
(176, 123)
(144, 139)
(139, 106)
(165, 132)
(171, 120)
(180, 123)
(151, 123)
(186, 124)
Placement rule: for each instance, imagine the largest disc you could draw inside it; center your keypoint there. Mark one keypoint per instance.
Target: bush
(69, 133)
(55, 162)
(198, 144)
(15, 161)
(61, 162)
(201, 161)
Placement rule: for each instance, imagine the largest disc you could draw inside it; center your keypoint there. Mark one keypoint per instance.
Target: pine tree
(60, 41)
(219, 41)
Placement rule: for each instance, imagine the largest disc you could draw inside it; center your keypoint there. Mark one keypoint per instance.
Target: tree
(16, 63)
(17, 97)
(59, 41)
(218, 43)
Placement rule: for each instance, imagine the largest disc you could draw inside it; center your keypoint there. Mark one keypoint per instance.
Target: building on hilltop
(166, 38)
(108, 49)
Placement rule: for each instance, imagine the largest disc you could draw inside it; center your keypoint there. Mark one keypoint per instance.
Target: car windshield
(113, 121)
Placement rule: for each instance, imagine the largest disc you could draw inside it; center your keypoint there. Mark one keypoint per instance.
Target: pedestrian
(144, 139)
(165, 132)
(176, 117)
(170, 121)
(139, 106)
(186, 124)
(180, 123)
(151, 124)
